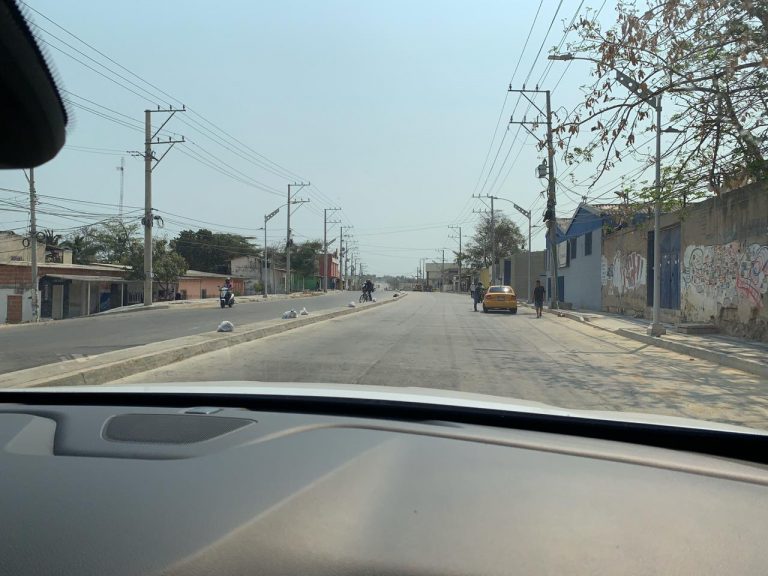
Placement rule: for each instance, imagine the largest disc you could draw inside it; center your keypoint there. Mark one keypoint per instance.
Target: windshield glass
(330, 189)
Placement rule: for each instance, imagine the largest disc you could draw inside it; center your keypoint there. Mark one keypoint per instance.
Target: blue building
(579, 248)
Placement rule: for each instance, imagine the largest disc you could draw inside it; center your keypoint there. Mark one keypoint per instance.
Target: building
(328, 267)
(714, 264)
(64, 290)
(442, 277)
(196, 285)
(562, 226)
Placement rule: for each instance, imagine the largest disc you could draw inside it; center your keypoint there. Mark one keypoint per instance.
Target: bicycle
(365, 297)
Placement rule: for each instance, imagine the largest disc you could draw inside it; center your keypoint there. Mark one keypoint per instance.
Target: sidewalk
(745, 355)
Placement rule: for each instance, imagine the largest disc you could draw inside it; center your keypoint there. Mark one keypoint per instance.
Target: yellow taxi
(500, 298)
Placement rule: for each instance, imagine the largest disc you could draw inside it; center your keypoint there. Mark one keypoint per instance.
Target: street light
(267, 217)
(656, 328)
(527, 214)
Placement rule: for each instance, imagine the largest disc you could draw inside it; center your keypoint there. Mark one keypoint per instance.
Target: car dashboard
(209, 485)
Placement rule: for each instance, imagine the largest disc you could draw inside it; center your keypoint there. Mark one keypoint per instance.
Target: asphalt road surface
(437, 341)
(29, 345)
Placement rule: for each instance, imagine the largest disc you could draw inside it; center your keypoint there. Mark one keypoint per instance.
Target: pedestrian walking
(478, 294)
(538, 298)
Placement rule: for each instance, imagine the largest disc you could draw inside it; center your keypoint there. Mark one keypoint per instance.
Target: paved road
(436, 340)
(26, 346)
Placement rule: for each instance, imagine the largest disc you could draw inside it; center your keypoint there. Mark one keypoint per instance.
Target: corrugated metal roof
(84, 278)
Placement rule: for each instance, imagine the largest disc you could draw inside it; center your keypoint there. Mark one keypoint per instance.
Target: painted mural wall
(625, 272)
(729, 275)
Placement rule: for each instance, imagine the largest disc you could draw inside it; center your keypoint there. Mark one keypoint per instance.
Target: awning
(110, 279)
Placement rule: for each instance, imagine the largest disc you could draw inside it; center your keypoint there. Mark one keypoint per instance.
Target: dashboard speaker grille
(169, 428)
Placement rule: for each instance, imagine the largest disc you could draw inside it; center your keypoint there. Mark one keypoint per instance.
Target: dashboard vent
(169, 428)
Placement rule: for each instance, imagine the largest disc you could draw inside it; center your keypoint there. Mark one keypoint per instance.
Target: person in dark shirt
(538, 298)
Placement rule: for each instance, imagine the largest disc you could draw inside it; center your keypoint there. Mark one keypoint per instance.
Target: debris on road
(226, 326)
(395, 295)
(290, 314)
(304, 312)
(351, 305)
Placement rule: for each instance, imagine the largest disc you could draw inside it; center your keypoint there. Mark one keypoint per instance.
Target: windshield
(322, 192)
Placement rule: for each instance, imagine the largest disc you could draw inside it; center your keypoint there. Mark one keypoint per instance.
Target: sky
(388, 109)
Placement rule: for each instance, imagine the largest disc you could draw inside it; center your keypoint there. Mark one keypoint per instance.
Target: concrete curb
(121, 363)
(720, 358)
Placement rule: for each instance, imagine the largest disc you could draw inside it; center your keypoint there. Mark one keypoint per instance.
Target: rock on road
(438, 341)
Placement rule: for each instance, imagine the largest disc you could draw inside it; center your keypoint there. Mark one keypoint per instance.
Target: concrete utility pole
(442, 272)
(33, 243)
(461, 256)
(149, 218)
(288, 284)
(325, 244)
(494, 271)
(656, 328)
(121, 168)
(341, 254)
(549, 167)
(267, 218)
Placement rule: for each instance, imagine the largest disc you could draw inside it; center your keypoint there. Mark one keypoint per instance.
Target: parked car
(500, 298)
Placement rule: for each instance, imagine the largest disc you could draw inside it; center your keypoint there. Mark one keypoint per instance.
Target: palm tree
(51, 241)
(83, 247)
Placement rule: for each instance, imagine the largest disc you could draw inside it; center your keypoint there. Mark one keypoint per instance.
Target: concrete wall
(519, 272)
(724, 264)
(12, 249)
(624, 271)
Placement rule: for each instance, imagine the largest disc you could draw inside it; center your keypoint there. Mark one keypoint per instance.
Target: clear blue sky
(388, 108)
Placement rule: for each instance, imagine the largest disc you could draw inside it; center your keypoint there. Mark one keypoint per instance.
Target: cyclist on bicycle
(368, 290)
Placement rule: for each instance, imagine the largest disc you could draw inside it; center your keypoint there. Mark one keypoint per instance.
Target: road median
(112, 366)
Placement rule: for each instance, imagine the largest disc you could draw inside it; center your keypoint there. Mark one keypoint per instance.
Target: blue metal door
(670, 268)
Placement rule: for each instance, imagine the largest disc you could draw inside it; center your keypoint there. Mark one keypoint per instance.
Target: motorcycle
(226, 297)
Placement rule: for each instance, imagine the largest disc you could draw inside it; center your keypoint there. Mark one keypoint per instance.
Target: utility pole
(442, 272)
(461, 256)
(121, 168)
(267, 218)
(325, 244)
(288, 284)
(33, 243)
(656, 328)
(341, 253)
(493, 237)
(149, 219)
(549, 167)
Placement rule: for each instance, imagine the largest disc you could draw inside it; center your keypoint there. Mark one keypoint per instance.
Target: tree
(709, 61)
(113, 241)
(211, 251)
(508, 239)
(167, 265)
(304, 257)
(51, 241)
(83, 245)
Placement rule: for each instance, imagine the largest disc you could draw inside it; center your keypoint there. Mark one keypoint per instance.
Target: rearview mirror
(32, 113)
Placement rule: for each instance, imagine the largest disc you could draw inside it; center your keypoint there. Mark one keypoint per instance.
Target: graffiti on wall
(626, 272)
(726, 274)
